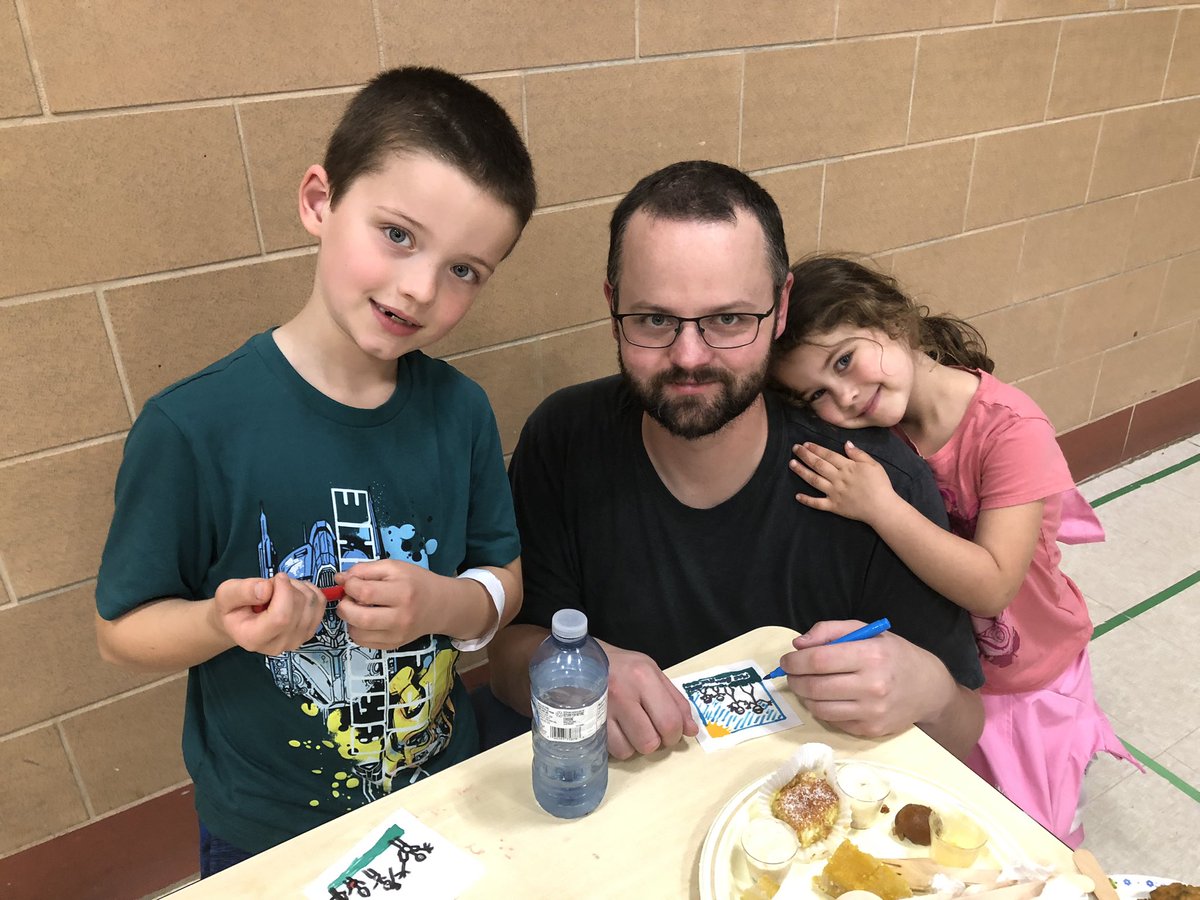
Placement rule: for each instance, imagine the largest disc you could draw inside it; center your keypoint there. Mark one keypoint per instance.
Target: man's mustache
(691, 376)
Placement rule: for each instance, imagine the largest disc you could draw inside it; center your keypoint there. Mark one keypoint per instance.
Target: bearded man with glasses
(661, 504)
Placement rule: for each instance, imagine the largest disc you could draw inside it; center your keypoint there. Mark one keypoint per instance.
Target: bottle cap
(569, 625)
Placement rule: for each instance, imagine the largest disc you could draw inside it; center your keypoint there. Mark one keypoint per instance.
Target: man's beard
(696, 416)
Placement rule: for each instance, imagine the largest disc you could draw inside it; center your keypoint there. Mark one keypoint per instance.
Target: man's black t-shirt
(600, 532)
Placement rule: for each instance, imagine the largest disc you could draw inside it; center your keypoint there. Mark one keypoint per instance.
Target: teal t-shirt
(245, 469)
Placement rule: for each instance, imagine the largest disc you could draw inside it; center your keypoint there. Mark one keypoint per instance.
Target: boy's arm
(173, 633)
(162, 636)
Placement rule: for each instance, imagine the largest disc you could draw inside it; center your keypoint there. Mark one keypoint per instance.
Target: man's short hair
(426, 110)
(701, 191)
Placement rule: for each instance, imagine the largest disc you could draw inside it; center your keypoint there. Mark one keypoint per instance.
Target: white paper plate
(723, 874)
(1138, 887)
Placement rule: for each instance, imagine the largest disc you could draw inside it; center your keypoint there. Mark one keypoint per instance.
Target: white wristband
(496, 591)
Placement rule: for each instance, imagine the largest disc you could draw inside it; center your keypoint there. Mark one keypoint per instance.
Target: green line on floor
(1121, 492)
(1159, 769)
(1147, 604)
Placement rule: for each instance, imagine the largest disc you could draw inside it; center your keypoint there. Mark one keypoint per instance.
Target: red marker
(332, 594)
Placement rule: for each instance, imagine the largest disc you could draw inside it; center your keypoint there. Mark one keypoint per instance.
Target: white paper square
(400, 858)
(733, 704)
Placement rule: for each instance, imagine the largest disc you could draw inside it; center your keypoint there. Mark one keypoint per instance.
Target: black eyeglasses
(721, 331)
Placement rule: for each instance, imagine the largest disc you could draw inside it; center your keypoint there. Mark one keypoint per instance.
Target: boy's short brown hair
(427, 110)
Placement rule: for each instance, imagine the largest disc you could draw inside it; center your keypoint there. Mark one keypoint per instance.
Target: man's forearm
(958, 723)
(508, 655)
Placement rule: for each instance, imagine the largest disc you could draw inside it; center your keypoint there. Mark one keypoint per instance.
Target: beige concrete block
(798, 194)
(132, 52)
(1181, 294)
(826, 100)
(1065, 392)
(1109, 313)
(579, 356)
(1191, 366)
(519, 377)
(487, 35)
(1167, 223)
(966, 275)
(18, 97)
(54, 516)
(38, 793)
(554, 279)
(1183, 74)
(1008, 10)
(58, 379)
(982, 78)
(65, 620)
(1106, 62)
(678, 26)
(1141, 369)
(512, 378)
(130, 748)
(892, 199)
(167, 330)
(283, 138)
(857, 17)
(1031, 170)
(1075, 246)
(145, 193)
(1022, 339)
(1146, 147)
(595, 132)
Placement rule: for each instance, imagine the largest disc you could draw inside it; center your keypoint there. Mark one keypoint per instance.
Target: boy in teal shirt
(332, 453)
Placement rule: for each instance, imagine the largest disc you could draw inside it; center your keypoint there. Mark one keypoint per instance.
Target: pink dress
(1042, 725)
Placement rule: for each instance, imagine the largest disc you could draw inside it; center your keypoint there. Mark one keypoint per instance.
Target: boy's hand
(854, 485)
(292, 615)
(389, 603)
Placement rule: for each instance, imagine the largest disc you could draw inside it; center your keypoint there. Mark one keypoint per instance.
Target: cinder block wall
(1029, 164)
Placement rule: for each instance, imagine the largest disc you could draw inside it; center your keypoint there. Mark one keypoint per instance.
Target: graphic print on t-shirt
(995, 637)
(386, 711)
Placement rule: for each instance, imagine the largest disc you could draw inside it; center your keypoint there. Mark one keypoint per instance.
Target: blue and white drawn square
(732, 704)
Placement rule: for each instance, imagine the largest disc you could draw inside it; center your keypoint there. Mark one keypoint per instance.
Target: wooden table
(643, 841)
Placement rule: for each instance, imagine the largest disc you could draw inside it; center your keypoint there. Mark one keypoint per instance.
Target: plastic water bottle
(568, 679)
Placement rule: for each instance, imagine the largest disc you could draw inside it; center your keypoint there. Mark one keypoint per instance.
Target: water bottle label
(570, 725)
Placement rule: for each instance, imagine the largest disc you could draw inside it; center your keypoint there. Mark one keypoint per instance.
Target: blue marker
(879, 626)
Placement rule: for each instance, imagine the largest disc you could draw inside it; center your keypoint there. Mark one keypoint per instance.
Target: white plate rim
(1007, 845)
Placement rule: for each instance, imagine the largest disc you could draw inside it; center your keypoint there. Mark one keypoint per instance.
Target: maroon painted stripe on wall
(1153, 423)
(144, 849)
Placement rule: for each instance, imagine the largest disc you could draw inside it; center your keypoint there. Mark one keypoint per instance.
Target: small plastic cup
(866, 792)
(955, 838)
(769, 846)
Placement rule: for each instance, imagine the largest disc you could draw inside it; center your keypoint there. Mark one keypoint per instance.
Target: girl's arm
(981, 576)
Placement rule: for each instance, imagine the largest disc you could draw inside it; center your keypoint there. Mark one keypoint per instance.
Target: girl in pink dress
(860, 353)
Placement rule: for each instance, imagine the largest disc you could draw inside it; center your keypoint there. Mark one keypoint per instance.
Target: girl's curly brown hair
(832, 291)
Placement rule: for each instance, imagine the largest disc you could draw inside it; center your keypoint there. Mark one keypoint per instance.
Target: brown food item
(809, 804)
(884, 809)
(1175, 892)
(912, 824)
(849, 869)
